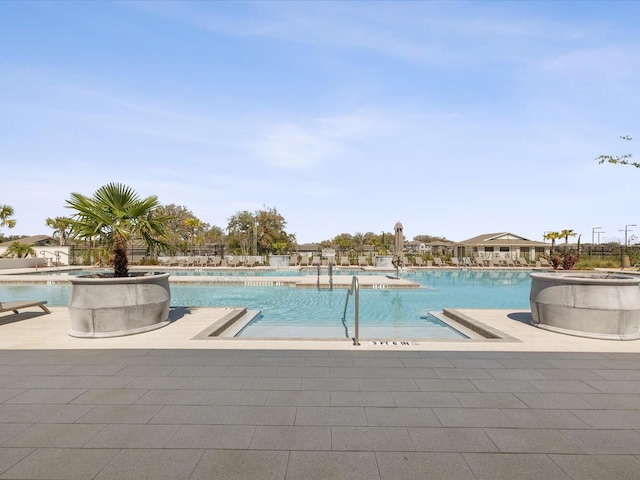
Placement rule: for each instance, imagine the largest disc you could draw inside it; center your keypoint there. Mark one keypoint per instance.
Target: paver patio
(160, 405)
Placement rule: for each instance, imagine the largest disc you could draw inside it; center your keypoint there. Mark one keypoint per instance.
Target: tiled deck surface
(162, 406)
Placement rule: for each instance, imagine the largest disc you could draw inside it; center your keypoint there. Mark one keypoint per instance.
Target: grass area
(590, 263)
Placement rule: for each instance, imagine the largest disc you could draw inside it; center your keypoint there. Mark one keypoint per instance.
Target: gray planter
(384, 261)
(587, 304)
(279, 261)
(111, 307)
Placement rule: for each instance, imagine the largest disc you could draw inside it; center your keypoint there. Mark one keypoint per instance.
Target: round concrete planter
(590, 305)
(384, 261)
(102, 306)
(279, 261)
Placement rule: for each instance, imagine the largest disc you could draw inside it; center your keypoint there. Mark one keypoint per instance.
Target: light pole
(622, 250)
(593, 235)
(626, 229)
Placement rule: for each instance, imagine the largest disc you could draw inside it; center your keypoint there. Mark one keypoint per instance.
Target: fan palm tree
(61, 227)
(553, 236)
(20, 250)
(193, 224)
(6, 212)
(116, 214)
(566, 234)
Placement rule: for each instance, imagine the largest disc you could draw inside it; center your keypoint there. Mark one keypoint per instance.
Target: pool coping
(34, 330)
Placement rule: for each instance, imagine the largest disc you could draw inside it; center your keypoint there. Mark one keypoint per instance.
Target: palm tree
(553, 236)
(193, 224)
(566, 234)
(61, 227)
(6, 211)
(20, 250)
(116, 214)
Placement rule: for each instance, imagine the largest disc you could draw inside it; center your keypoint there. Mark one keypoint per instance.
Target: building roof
(501, 238)
(33, 240)
(309, 247)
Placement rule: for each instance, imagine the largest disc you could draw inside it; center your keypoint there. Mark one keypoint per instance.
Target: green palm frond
(116, 214)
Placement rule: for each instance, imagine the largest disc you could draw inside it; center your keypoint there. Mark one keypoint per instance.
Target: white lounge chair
(20, 304)
(477, 262)
(437, 262)
(495, 262)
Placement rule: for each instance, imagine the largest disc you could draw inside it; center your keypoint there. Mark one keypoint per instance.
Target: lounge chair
(477, 262)
(495, 262)
(293, 260)
(304, 261)
(344, 261)
(544, 263)
(522, 262)
(315, 260)
(454, 262)
(510, 263)
(183, 261)
(437, 262)
(20, 304)
(362, 261)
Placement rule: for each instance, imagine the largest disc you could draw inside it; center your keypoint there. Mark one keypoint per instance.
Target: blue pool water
(291, 312)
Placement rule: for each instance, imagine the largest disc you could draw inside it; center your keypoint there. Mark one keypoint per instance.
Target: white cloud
(291, 146)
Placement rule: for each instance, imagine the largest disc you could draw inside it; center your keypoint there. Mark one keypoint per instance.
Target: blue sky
(455, 118)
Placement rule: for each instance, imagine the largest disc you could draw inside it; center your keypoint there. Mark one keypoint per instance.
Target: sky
(455, 118)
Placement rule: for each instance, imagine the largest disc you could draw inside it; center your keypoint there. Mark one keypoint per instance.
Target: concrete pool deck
(161, 405)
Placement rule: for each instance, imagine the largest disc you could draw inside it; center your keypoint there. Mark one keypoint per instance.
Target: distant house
(309, 249)
(34, 241)
(501, 245)
(434, 248)
(44, 246)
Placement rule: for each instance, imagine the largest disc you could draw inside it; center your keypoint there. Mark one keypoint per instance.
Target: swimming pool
(288, 312)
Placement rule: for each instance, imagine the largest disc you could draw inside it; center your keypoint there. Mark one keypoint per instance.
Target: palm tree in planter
(121, 303)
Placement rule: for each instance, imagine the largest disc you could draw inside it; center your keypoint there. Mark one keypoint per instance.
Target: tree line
(260, 232)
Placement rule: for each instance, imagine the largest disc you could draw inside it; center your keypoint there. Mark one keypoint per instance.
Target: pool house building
(501, 245)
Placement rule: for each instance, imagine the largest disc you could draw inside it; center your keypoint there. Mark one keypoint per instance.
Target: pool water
(289, 312)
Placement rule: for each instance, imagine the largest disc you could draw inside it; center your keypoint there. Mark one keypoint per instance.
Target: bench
(18, 305)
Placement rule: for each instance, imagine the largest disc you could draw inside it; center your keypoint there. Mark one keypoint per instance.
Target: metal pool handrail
(354, 290)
